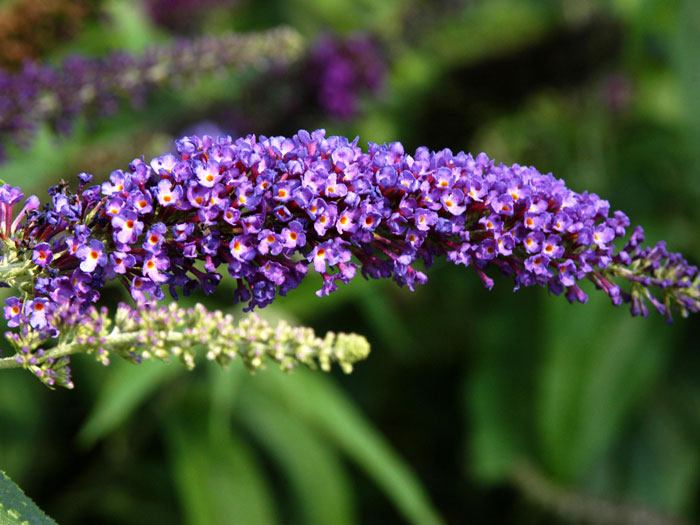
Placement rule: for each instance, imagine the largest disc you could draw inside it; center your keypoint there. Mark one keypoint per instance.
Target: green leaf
(217, 476)
(320, 403)
(130, 28)
(320, 485)
(495, 442)
(127, 387)
(381, 316)
(599, 364)
(487, 28)
(663, 463)
(224, 385)
(16, 508)
(498, 388)
(688, 65)
(23, 422)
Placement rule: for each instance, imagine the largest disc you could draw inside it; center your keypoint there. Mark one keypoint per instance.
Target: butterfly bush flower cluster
(265, 210)
(89, 87)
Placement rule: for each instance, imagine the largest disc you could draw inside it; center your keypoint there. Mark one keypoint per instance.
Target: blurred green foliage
(464, 387)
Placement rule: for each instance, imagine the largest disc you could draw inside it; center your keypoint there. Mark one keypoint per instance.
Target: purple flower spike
(97, 87)
(268, 209)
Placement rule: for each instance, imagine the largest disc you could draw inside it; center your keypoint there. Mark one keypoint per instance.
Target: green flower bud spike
(147, 331)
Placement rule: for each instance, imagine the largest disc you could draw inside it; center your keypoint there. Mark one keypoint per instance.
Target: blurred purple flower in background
(617, 92)
(93, 87)
(341, 70)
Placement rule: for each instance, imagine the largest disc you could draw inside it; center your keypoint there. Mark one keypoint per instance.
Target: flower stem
(9, 362)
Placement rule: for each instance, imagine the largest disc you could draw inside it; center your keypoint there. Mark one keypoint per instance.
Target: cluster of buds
(89, 87)
(147, 331)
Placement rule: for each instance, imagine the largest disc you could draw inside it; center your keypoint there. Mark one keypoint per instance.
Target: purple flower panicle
(266, 209)
(98, 86)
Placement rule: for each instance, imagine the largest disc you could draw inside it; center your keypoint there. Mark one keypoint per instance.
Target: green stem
(9, 362)
(579, 507)
(17, 274)
(66, 349)
(60, 351)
